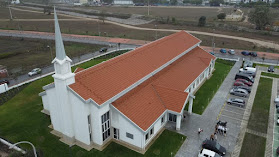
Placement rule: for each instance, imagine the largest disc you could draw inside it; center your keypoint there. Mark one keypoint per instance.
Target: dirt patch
(21, 55)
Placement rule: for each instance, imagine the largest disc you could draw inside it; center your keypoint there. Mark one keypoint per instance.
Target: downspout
(15, 147)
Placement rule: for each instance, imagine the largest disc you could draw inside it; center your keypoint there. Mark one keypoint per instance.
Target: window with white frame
(105, 126)
(152, 131)
(146, 136)
(162, 120)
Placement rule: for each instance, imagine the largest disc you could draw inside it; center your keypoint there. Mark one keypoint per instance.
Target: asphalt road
(75, 60)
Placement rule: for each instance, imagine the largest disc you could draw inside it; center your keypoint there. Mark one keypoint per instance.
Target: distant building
(128, 99)
(123, 2)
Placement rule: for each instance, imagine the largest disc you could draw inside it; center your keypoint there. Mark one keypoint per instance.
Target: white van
(207, 153)
(250, 69)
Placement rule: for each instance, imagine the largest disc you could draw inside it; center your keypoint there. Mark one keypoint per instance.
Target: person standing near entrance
(200, 130)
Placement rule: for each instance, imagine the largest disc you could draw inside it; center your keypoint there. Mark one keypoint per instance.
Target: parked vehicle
(35, 72)
(248, 89)
(245, 82)
(277, 151)
(245, 53)
(247, 63)
(236, 102)
(276, 100)
(214, 146)
(254, 54)
(4, 81)
(231, 51)
(244, 76)
(270, 68)
(251, 69)
(104, 49)
(212, 53)
(239, 92)
(207, 153)
(223, 50)
(249, 73)
(237, 83)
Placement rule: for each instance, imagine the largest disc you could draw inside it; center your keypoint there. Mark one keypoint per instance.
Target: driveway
(207, 122)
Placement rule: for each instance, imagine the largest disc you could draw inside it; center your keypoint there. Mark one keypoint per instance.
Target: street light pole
(34, 149)
(50, 51)
(99, 28)
(213, 41)
(156, 31)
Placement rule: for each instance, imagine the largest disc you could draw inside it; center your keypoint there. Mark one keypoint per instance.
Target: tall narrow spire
(60, 51)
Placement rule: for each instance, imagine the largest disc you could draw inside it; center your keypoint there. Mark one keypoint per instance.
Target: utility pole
(50, 51)
(148, 7)
(11, 16)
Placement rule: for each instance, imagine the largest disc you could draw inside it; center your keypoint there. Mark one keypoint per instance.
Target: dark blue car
(212, 53)
(254, 54)
(245, 53)
(223, 50)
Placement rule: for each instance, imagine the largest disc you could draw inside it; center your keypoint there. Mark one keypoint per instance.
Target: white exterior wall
(55, 115)
(157, 127)
(96, 121)
(81, 111)
(124, 125)
(45, 102)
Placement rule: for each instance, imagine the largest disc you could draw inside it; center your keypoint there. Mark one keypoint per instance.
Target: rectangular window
(89, 127)
(162, 120)
(151, 131)
(131, 136)
(146, 136)
(105, 125)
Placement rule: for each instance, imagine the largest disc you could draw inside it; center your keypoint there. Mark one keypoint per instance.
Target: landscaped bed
(210, 87)
(258, 120)
(21, 120)
(253, 146)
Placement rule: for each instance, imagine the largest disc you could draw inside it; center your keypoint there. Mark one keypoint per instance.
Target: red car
(245, 82)
(238, 83)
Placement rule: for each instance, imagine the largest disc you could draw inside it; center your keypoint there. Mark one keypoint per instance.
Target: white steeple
(59, 46)
(63, 77)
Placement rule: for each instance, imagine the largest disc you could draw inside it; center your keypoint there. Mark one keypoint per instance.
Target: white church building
(127, 99)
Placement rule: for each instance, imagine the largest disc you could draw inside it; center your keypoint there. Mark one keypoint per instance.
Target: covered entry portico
(176, 118)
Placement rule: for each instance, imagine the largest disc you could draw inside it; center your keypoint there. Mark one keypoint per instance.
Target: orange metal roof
(165, 90)
(78, 69)
(109, 78)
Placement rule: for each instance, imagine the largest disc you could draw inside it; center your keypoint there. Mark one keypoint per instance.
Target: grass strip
(211, 86)
(270, 74)
(258, 120)
(253, 146)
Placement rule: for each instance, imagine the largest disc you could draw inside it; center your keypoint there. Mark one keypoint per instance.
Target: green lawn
(210, 87)
(258, 120)
(253, 146)
(270, 74)
(21, 120)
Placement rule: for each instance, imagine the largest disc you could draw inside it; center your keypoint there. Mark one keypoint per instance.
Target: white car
(207, 153)
(250, 69)
(231, 51)
(35, 72)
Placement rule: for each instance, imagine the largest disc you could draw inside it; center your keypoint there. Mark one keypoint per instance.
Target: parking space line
(223, 106)
(234, 112)
(235, 107)
(232, 118)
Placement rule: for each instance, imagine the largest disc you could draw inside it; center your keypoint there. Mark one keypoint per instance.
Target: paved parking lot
(208, 120)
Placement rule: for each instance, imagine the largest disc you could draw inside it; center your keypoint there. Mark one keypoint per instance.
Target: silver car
(239, 92)
(236, 102)
(248, 89)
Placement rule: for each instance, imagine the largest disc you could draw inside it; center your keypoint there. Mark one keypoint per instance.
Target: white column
(178, 122)
(190, 107)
